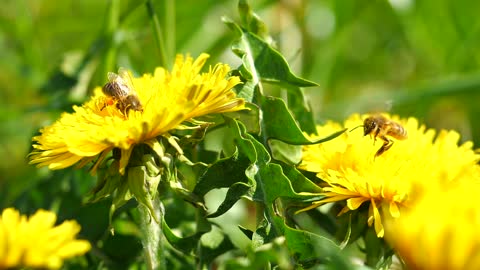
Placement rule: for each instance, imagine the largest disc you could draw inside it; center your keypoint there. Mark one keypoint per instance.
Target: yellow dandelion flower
(440, 231)
(388, 182)
(36, 241)
(168, 101)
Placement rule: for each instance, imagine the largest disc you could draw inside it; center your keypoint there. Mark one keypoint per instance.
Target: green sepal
(108, 180)
(120, 197)
(143, 182)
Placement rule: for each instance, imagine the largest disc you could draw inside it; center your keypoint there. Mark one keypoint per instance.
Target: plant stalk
(157, 32)
(152, 235)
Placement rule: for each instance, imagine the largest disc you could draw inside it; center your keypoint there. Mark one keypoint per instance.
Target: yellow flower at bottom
(36, 242)
(170, 100)
(441, 231)
(390, 181)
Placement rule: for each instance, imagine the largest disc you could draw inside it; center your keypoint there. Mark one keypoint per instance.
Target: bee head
(369, 125)
(134, 103)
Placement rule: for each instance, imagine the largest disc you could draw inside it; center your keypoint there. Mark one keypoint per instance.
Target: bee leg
(387, 143)
(375, 135)
(127, 109)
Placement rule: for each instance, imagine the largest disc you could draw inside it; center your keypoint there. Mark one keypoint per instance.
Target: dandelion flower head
(390, 181)
(170, 100)
(36, 242)
(440, 231)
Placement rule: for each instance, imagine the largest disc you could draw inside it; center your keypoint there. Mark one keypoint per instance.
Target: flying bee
(383, 128)
(120, 89)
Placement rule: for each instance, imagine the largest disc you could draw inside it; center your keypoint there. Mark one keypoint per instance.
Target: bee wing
(388, 105)
(112, 76)
(127, 78)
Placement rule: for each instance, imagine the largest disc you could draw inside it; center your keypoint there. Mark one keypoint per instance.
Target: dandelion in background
(391, 181)
(440, 231)
(36, 242)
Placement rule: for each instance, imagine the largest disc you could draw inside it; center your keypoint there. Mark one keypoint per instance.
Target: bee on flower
(393, 179)
(378, 126)
(129, 111)
(124, 129)
(122, 92)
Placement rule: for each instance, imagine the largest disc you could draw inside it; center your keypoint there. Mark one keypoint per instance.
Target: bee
(120, 89)
(383, 128)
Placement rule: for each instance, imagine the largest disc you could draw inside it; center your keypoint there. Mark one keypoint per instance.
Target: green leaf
(246, 89)
(250, 20)
(223, 173)
(261, 61)
(234, 193)
(378, 253)
(93, 218)
(278, 123)
(228, 172)
(352, 225)
(184, 244)
(272, 183)
(248, 233)
(250, 118)
(250, 171)
(311, 249)
(287, 153)
(131, 247)
(247, 144)
(188, 196)
(299, 182)
(213, 244)
(263, 234)
(305, 245)
(302, 110)
(272, 255)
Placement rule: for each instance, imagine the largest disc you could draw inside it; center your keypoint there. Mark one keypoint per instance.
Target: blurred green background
(414, 58)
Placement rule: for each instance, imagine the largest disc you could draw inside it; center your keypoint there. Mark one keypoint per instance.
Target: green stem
(157, 31)
(171, 29)
(152, 235)
(111, 28)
